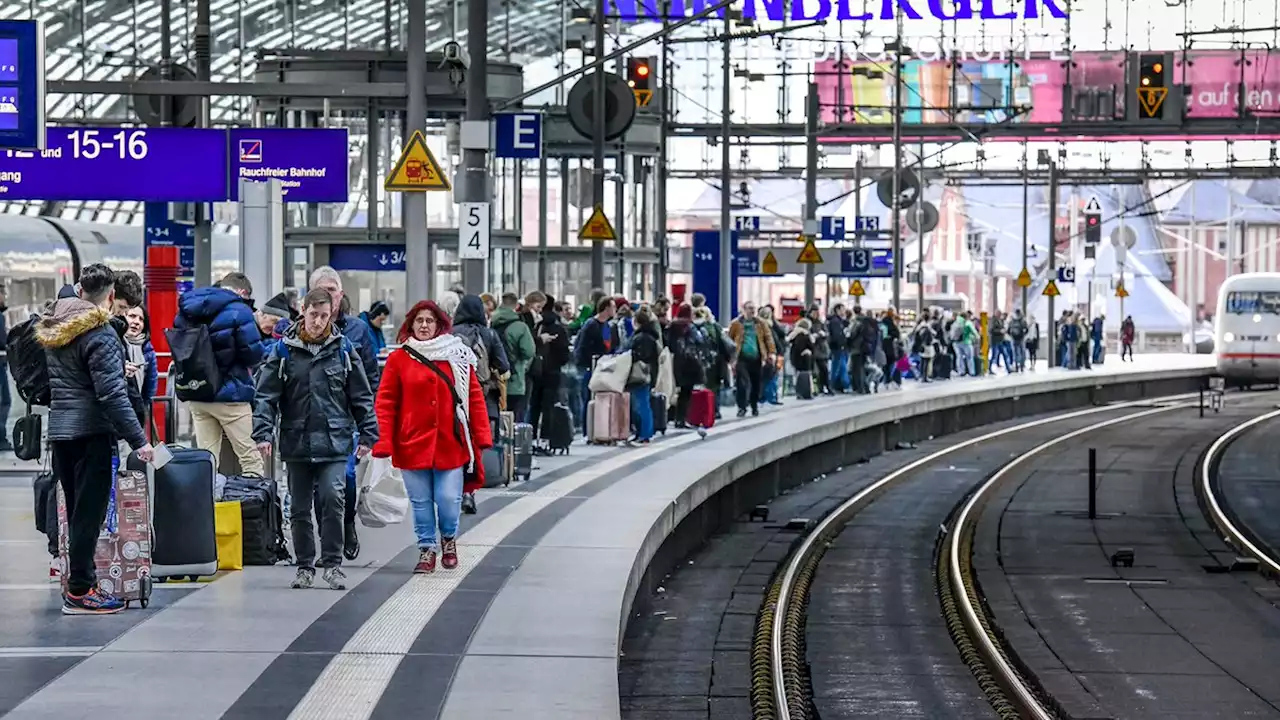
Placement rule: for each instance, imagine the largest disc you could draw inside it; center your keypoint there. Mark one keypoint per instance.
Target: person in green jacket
(587, 311)
(517, 340)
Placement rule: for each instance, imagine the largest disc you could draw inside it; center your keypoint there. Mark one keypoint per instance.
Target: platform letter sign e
(518, 136)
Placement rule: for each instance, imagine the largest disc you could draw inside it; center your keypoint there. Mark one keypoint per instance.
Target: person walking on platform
(595, 340)
(226, 313)
(645, 349)
(688, 350)
(1033, 342)
(1018, 340)
(315, 386)
(1097, 333)
(361, 338)
(821, 352)
(1127, 333)
(838, 340)
(753, 340)
(435, 424)
(88, 409)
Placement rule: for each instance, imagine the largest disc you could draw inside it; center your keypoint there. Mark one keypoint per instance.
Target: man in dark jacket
(471, 323)
(88, 409)
(225, 310)
(837, 339)
(314, 384)
(361, 337)
(545, 372)
(595, 340)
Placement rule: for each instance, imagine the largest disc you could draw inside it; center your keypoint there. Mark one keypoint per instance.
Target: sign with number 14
(473, 231)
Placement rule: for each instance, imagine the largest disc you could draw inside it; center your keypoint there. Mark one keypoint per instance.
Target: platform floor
(245, 646)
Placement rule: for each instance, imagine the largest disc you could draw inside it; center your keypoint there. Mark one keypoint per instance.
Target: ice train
(1248, 329)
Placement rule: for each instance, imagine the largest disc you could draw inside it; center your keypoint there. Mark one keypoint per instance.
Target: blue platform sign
(159, 229)
(747, 224)
(867, 224)
(832, 228)
(176, 164)
(311, 164)
(22, 100)
(367, 257)
(866, 263)
(706, 270)
(1067, 274)
(517, 135)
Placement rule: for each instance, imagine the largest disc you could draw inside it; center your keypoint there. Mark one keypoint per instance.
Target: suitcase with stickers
(122, 557)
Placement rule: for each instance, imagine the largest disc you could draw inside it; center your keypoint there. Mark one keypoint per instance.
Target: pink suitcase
(609, 418)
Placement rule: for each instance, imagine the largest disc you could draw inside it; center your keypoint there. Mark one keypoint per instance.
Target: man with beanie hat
(374, 317)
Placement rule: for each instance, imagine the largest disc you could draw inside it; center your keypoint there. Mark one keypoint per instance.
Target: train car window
(1253, 302)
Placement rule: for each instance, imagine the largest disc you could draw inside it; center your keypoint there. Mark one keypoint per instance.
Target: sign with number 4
(473, 231)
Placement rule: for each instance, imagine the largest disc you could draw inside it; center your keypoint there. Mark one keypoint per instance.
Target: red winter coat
(416, 417)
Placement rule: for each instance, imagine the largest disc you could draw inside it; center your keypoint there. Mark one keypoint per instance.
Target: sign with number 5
(473, 230)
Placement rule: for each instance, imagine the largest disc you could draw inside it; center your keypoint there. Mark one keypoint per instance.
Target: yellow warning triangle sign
(417, 169)
(642, 96)
(1051, 290)
(597, 227)
(1024, 278)
(855, 289)
(809, 255)
(1120, 291)
(1150, 99)
(769, 266)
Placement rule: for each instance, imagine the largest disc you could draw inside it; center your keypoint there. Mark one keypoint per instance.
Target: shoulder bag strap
(453, 391)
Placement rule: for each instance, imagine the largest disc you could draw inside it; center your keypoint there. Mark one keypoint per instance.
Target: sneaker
(426, 562)
(55, 570)
(469, 503)
(755, 412)
(449, 553)
(304, 580)
(742, 412)
(335, 578)
(350, 541)
(94, 602)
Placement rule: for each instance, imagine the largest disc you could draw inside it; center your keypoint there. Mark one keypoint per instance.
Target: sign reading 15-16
(776, 10)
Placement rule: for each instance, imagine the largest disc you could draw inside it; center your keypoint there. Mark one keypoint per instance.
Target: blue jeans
(964, 358)
(840, 371)
(352, 495)
(771, 388)
(433, 492)
(1097, 350)
(642, 412)
(1019, 355)
(584, 387)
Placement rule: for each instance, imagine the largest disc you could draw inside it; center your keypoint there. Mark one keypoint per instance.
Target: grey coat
(320, 396)
(88, 391)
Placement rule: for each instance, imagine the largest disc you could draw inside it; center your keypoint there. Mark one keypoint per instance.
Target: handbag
(383, 498)
(470, 473)
(639, 375)
(27, 433)
(611, 374)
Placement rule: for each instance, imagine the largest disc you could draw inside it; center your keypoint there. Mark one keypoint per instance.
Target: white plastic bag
(383, 499)
(610, 373)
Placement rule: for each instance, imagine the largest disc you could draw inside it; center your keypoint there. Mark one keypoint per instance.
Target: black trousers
(516, 404)
(750, 383)
(823, 368)
(543, 396)
(683, 398)
(84, 470)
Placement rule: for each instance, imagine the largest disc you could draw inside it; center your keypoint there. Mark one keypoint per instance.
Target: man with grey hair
(358, 332)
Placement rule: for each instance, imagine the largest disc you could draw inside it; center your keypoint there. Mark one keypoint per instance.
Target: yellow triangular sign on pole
(770, 264)
(597, 227)
(417, 169)
(1120, 291)
(810, 255)
(1024, 278)
(855, 289)
(1051, 290)
(1151, 98)
(642, 96)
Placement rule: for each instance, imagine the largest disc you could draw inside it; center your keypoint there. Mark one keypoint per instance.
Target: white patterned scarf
(461, 359)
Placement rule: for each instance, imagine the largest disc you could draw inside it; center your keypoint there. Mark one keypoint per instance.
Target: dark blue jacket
(237, 341)
(361, 336)
(376, 335)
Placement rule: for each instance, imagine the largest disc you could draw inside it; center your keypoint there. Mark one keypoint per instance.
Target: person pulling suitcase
(314, 383)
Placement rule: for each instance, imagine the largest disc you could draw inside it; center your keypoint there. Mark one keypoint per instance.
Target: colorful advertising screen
(968, 91)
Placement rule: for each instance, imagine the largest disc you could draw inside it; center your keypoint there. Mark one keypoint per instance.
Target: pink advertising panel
(851, 91)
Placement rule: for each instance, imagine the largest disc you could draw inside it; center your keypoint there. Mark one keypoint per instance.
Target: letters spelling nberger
(775, 10)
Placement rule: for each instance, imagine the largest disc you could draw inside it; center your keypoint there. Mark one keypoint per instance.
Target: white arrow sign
(1093, 207)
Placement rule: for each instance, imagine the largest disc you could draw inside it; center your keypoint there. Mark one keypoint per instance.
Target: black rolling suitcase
(804, 385)
(184, 543)
(557, 429)
(941, 366)
(262, 519)
(658, 403)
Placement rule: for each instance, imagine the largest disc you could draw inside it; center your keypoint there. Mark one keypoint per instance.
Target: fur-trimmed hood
(69, 319)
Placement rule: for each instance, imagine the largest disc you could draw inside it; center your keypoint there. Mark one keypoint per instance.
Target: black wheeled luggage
(522, 450)
(658, 403)
(557, 429)
(184, 541)
(804, 385)
(262, 519)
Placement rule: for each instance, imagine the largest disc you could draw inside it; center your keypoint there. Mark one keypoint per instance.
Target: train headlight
(1257, 318)
(1229, 337)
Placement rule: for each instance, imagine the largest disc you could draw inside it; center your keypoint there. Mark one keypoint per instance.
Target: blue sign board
(176, 164)
(517, 135)
(1067, 274)
(311, 164)
(779, 11)
(706, 271)
(866, 223)
(833, 228)
(21, 84)
(159, 229)
(866, 263)
(747, 224)
(367, 257)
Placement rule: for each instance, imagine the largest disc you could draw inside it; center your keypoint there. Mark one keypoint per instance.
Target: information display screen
(8, 83)
(1254, 302)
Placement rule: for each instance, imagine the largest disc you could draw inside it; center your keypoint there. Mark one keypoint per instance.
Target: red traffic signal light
(1092, 220)
(639, 73)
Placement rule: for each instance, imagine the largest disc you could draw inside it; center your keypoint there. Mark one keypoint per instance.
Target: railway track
(1236, 531)
(781, 686)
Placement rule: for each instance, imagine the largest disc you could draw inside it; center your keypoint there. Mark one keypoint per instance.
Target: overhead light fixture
(580, 15)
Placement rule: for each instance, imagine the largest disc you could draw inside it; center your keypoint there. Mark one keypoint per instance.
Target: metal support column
(812, 109)
(543, 218)
(726, 238)
(204, 72)
(475, 163)
(597, 144)
(620, 224)
(1026, 204)
(920, 233)
(413, 205)
(895, 216)
(1193, 278)
(660, 184)
(372, 184)
(1052, 322)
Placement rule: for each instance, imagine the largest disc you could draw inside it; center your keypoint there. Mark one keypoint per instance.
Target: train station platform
(528, 626)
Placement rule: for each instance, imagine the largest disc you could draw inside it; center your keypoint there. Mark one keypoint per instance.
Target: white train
(39, 255)
(1248, 329)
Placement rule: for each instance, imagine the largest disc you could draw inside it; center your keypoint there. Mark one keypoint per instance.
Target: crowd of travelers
(303, 377)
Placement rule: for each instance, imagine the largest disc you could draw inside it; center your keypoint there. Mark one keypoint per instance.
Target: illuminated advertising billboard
(777, 10)
(861, 92)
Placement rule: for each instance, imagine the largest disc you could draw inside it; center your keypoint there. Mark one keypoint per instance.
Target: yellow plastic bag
(228, 525)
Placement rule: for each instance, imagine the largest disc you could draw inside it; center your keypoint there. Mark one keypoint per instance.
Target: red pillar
(160, 275)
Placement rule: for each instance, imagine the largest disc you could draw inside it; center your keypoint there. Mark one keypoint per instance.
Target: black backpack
(261, 517)
(27, 363)
(194, 370)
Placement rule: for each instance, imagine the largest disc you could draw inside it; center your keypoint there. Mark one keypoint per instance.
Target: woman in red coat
(434, 425)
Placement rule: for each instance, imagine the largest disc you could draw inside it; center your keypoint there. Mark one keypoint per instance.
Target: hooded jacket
(555, 353)
(88, 391)
(320, 395)
(237, 341)
(361, 337)
(518, 339)
(472, 325)
(377, 338)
